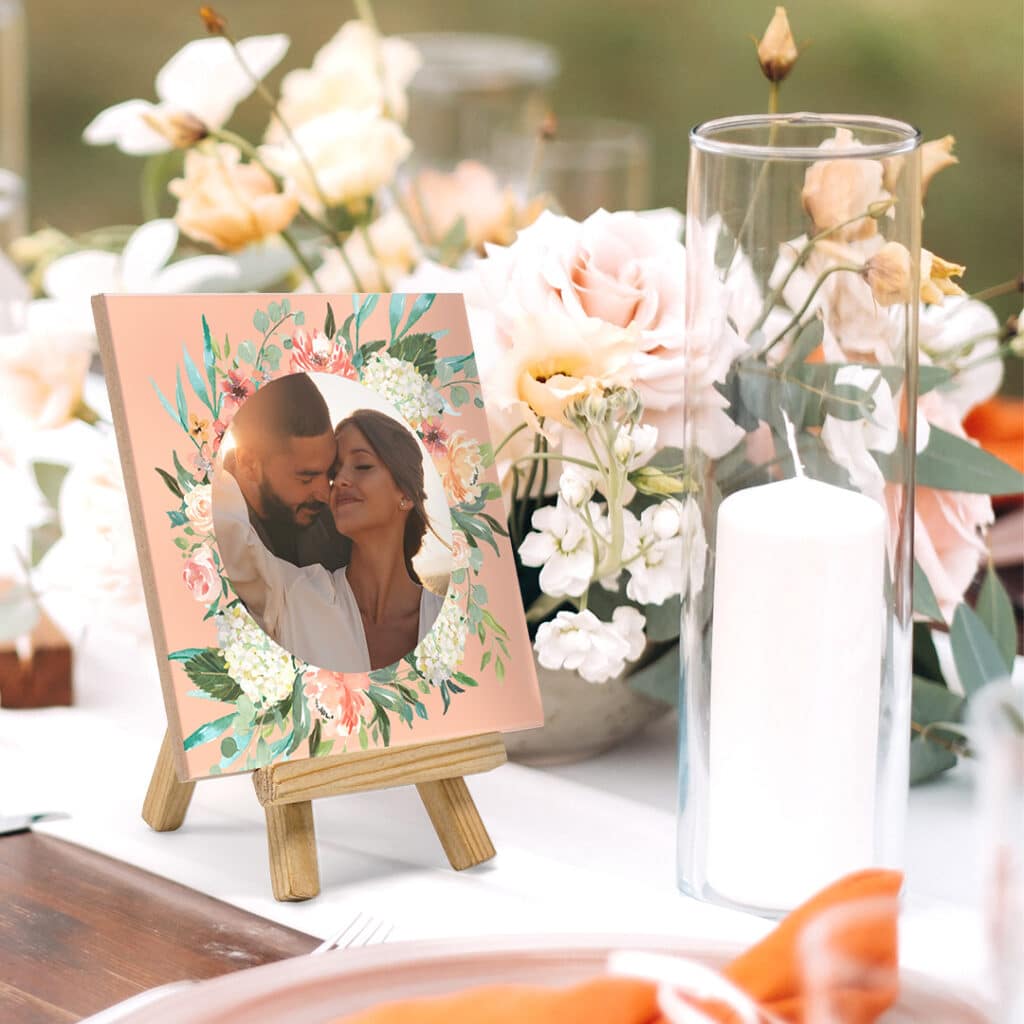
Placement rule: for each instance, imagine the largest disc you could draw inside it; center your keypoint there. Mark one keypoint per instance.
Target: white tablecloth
(588, 847)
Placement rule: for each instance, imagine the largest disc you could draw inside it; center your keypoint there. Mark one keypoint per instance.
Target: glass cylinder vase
(803, 282)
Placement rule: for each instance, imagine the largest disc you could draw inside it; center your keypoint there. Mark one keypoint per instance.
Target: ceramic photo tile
(319, 523)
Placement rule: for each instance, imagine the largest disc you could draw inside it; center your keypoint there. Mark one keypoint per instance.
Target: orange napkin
(769, 973)
(998, 426)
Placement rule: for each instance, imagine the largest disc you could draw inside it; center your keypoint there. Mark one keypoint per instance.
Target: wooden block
(167, 798)
(291, 845)
(35, 671)
(309, 779)
(456, 822)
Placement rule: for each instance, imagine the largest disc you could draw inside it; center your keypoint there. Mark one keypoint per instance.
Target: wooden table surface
(80, 932)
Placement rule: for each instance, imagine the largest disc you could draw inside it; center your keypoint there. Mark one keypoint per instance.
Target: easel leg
(167, 798)
(456, 822)
(291, 843)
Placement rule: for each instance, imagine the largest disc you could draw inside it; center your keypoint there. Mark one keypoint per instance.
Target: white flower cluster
(400, 383)
(581, 642)
(441, 651)
(261, 668)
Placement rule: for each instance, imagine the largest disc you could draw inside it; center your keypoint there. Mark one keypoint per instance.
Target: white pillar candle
(796, 669)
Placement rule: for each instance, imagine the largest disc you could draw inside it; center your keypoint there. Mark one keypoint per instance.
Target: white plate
(319, 989)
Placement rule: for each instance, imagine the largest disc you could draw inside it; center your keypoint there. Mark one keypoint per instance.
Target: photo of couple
(331, 523)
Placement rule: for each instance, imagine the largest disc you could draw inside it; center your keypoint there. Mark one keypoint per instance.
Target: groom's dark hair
(290, 406)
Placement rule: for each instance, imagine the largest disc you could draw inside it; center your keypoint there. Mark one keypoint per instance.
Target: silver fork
(362, 930)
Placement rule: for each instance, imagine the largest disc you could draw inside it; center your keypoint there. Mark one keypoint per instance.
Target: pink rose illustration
(338, 700)
(201, 576)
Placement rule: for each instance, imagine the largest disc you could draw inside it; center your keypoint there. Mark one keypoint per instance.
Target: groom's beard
(277, 513)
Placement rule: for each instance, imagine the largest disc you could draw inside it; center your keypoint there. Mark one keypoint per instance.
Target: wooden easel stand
(287, 791)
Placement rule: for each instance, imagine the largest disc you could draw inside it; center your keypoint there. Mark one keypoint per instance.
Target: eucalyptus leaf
(660, 679)
(951, 463)
(49, 477)
(926, 657)
(925, 602)
(928, 760)
(995, 610)
(260, 320)
(247, 352)
(662, 619)
(975, 653)
(931, 702)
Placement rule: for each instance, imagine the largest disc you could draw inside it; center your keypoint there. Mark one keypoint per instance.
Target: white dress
(307, 610)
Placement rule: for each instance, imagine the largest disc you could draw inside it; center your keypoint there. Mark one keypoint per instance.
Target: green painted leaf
(167, 405)
(177, 518)
(228, 747)
(209, 671)
(49, 477)
(396, 309)
(925, 602)
(272, 356)
(459, 395)
(928, 760)
(995, 610)
(977, 657)
(247, 352)
(951, 463)
(186, 653)
(179, 398)
(418, 349)
(172, 484)
(365, 310)
(419, 307)
(260, 320)
(208, 732)
(275, 311)
(299, 318)
(185, 478)
(196, 379)
(209, 358)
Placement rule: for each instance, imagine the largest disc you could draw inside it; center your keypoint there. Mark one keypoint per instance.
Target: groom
(283, 459)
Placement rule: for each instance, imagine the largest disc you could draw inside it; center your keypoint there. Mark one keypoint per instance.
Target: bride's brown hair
(396, 447)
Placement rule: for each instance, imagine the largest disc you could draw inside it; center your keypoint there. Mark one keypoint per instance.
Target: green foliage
(995, 610)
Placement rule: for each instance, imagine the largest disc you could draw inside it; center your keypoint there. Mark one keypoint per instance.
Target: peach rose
(841, 190)
(229, 204)
(491, 213)
(337, 700)
(459, 467)
(201, 576)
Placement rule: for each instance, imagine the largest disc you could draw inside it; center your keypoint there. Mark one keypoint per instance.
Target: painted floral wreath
(280, 701)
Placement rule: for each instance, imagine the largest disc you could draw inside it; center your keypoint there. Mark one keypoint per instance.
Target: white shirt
(307, 610)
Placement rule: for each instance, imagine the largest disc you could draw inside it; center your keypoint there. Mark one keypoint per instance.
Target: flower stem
(303, 262)
(807, 302)
(993, 292)
(508, 437)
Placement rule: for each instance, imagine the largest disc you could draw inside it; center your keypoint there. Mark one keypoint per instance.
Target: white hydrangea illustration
(399, 382)
(441, 651)
(261, 668)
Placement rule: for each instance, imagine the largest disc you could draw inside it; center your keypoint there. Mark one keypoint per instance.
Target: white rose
(199, 508)
(352, 152)
(42, 370)
(354, 70)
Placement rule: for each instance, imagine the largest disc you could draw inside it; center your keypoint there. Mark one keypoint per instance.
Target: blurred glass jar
(470, 86)
(589, 163)
(997, 735)
(13, 120)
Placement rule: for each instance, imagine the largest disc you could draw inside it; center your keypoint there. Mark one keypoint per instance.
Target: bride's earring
(403, 504)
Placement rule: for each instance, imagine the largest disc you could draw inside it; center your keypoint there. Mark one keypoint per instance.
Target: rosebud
(888, 274)
(215, 23)
(777, 52)
(936, 278)
(180, 128)
(575, 488)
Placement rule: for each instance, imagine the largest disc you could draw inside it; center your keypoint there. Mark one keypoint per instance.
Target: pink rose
(201, 576)
(949, 526)
(624, 269)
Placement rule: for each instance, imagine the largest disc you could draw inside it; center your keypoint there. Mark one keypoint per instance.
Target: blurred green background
(946, 66)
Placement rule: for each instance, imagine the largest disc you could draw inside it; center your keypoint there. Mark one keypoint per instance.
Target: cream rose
(199, 508)
(42, 370)
(352, 152)
(355, 70)
(229, 204)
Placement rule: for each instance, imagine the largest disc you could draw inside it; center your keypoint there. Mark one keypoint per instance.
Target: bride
(371, 612)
